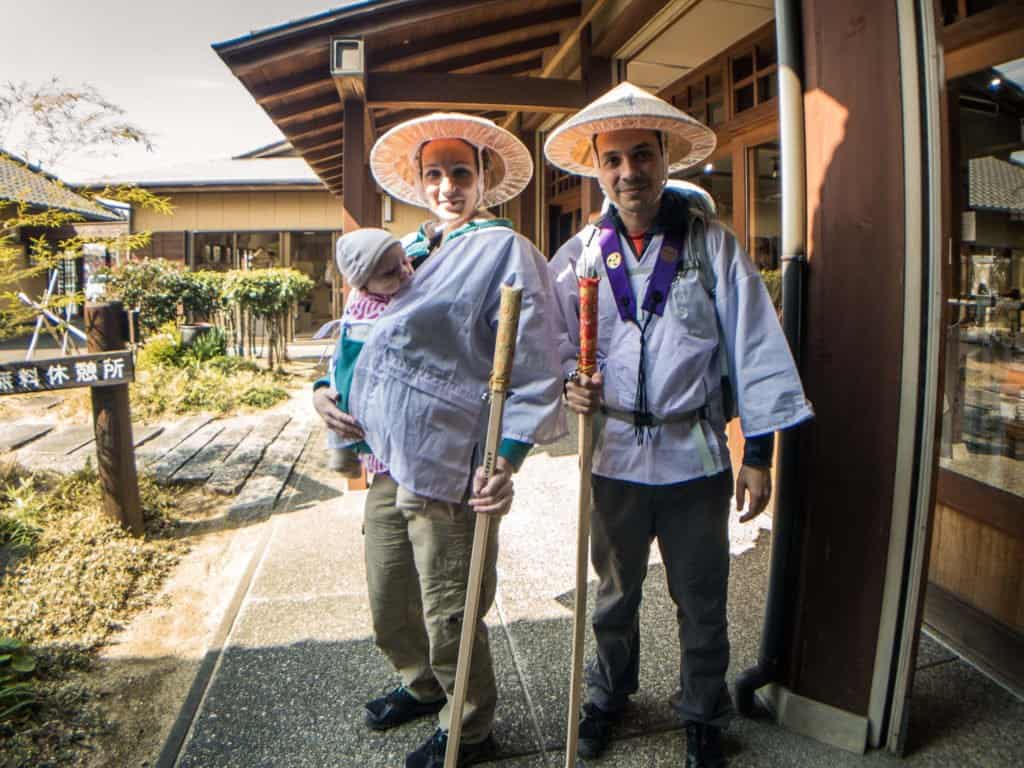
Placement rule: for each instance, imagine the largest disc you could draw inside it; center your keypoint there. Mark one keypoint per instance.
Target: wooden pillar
(112, 423)
(596, 73)
(528, 199)
(354, 182)
(853, 348)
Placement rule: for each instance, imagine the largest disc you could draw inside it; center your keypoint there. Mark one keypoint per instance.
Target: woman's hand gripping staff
(504, 353)
(585, 367)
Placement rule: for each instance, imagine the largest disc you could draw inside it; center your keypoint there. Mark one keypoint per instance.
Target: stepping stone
(269, 478)
(231, 475)
(174, 459)
(169, 439)
(17, 435)
(199, 468)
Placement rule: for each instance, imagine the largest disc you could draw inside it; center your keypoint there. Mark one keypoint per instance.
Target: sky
(154, 60)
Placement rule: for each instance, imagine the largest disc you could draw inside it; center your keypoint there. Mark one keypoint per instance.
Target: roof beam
(313, 127)
(431, 49)
(315, 146)
(631, 17)
(530, 46)
(510, 65)
(296, 109)
(570, 43)
(327, 157)
(425, 90)
(314, 158)
(314, 80)
(252, 53)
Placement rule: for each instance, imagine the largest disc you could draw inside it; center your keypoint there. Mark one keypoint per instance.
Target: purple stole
(658, 286)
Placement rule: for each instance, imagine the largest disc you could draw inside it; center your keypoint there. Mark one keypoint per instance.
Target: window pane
(765, 88)
(983, 409)
(742, 67)
(716, 178)
(744, 98)
(766, 55)
(764, 219)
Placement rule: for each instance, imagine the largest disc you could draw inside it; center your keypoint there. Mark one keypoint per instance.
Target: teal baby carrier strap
(344, 367)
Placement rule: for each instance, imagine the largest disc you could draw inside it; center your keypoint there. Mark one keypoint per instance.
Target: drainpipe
(786, 527)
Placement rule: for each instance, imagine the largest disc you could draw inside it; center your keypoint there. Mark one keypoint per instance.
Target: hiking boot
(431, 753)
(704, 746)
(397, 707)
(595, 731)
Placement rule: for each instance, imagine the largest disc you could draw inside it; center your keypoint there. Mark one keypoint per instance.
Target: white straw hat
(571, 145)
(395, 164)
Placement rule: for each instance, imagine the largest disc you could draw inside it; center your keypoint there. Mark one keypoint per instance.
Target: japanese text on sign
(99, 370)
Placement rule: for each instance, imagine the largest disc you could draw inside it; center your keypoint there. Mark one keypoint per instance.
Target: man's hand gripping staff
(501, 370)
(585, 368)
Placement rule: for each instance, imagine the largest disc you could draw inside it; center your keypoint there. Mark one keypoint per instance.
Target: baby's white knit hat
(359, 252)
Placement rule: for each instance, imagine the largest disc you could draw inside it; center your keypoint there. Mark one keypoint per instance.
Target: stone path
(286, 684)
(250, 456)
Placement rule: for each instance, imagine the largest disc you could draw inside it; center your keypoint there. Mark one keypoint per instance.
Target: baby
(374, 263)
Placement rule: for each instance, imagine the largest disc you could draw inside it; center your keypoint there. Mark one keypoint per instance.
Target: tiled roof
(995, 185)
(228, 172)
(21, 182)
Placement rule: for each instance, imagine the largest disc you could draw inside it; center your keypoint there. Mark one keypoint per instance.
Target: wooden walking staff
(504, 352)
(586, 364)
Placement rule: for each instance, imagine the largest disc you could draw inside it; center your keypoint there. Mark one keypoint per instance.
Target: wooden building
(24, 184)
(259, 209)
(846, 152)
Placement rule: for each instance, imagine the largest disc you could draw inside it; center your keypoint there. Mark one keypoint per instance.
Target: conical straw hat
(394, 162)
(571, 145)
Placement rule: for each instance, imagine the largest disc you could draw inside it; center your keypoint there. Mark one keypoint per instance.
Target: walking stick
(504, 352)
(587, 364)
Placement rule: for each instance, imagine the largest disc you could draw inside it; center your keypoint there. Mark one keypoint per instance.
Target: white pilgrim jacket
(420, 382)
(683, 367)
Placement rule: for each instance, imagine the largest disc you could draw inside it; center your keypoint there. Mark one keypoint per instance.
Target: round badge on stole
(614, 260)
(669, 254)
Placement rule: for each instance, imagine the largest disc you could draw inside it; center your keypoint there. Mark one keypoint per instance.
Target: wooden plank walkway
(252, 455)
(17, 435)
(164, 467)
(263, 488)
(231, 475)
(169, 439)
(200, 467)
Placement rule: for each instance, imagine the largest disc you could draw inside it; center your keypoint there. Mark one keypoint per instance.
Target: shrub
(162, 348)
(207, 346)
(154, 285)
(19, 513)
(16, 663)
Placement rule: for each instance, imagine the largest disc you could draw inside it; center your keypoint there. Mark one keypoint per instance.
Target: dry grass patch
(70, 578)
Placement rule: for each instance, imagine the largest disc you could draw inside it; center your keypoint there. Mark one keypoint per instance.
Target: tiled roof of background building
(996, 185)
(21, 182)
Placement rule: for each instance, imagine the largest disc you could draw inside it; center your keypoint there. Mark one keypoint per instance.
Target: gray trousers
(690, 521)
(417, 567)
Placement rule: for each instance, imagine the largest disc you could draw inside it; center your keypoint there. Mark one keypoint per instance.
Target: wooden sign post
(112, 422)
(107, 372)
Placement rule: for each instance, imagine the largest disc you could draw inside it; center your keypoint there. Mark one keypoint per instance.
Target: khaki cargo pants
(417, 565)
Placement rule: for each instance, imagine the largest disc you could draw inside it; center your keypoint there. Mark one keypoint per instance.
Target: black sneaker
(595, 731)
(431, 752)
(704, 746)
(397, 707)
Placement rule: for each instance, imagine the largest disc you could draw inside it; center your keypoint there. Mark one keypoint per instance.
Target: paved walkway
(297, 660)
